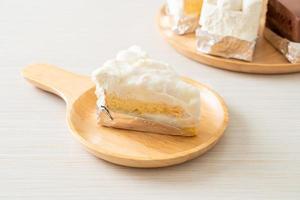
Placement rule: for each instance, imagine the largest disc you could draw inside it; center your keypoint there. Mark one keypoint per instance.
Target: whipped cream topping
(236, 18)
(133, 75)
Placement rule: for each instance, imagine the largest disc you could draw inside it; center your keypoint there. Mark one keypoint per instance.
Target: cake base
(267, 60)
(129, 122)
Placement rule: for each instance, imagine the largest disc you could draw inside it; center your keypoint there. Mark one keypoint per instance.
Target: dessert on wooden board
(138, 93)
(283, 27)
(231, 28)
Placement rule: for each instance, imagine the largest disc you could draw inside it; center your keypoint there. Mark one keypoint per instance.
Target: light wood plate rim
(223, 63)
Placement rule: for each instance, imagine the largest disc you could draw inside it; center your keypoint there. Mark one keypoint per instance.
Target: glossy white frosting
(133, 75)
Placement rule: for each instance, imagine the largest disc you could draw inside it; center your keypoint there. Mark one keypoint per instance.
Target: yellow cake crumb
(138, 107)
(192, 6)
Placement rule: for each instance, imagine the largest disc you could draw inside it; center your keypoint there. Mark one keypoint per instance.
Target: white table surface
(258, 158)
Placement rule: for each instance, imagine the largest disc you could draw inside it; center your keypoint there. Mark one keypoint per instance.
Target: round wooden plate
(147, 150)
(267, 60)
(123, 147)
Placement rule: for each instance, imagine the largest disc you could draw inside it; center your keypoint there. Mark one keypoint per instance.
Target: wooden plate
(123, 147)
(139, 149)
(267, 60)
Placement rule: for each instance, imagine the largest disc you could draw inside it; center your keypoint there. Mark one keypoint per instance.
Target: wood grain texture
(257, 158)
(124, 147)
(266, 60)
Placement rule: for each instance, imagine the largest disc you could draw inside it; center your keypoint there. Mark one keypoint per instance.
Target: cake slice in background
(183, 15)
(283, 17)
(283, 27)
(230, 28)
(137, 93)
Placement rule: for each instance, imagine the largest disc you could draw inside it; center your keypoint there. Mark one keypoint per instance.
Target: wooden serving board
(124, 147)
(267, 60)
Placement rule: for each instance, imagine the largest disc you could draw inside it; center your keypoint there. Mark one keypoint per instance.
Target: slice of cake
(229, 28)
(183, 15)
(283, 27)
(137, 93)
(283, 17)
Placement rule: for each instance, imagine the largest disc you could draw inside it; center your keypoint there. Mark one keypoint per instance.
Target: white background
(258, 158)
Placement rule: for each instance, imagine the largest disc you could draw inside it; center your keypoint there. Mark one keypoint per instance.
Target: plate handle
(67, 85)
